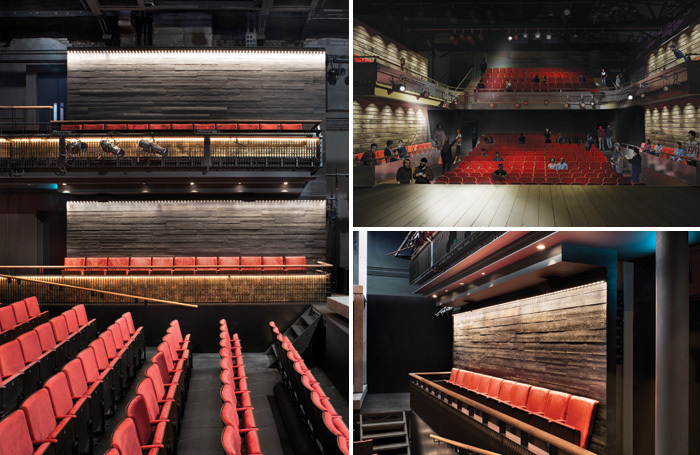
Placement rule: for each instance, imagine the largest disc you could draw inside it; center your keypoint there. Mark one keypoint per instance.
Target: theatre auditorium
(591, 108)
(523, 342)
(173, 227)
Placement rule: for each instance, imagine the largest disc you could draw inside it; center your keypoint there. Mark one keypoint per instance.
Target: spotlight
(630, 97)
(435, 296)
(538, 35)
(152, 147)
(526, 102)
(111, 148)
(74, 148)
(517, 105)
(525, 35)
(492, 105)
(548, 36)
(398, 87)
(546, 102)
(540, 247)
(510, 37)
(566, 105)
(332, 76)
(665, 88)
(582, 104)
(642, 95)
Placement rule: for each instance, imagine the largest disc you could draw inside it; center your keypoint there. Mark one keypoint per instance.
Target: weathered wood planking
(270, 85)
(376, 120)
(370, 43)
(197, 228)
(556, 340)
(670, 122)
(688, 42)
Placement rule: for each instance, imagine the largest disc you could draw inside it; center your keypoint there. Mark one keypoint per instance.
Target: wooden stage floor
(526, 206)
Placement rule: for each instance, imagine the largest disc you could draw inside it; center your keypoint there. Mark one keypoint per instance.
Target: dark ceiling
(104, 21)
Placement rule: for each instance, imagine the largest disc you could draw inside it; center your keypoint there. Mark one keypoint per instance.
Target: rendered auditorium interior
(526, 342)
(419, 65)
(174, 246)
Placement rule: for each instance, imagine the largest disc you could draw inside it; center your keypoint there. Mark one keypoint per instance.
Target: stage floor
(526, 205)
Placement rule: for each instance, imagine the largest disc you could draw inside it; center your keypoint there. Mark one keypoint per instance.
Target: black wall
(403, 336)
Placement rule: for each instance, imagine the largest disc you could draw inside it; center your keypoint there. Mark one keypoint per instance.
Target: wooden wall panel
(555, 340)
(370, 43)
(200, 84)
(376, 120)
(688, 42)
(670, 122)
(197, 228)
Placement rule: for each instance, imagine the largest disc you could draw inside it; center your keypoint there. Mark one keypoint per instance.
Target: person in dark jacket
(483, 66)
(636, 165)
(404, 174)
(422, 173)
(475, 137)
(368, 158)
(389, 153)
(446, 155)
(401, 150)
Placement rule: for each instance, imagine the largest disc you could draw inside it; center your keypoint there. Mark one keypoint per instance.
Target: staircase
(300, 332)
(388, 431)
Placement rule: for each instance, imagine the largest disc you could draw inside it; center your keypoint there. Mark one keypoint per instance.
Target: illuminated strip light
(188, 57)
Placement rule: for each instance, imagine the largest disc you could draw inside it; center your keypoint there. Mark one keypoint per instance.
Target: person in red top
(601, 137)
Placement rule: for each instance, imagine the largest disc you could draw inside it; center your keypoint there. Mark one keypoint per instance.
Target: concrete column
(672, 343)
(627, 388)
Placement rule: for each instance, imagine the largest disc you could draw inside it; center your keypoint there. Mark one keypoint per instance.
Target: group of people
(370, 158)
(689, 153)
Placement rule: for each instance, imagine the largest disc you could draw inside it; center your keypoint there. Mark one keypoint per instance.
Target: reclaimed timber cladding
(196, 85)
(556, 340)
(671, 121)
(377, 120)
(197, 228)
(688, 42)
(370, 43)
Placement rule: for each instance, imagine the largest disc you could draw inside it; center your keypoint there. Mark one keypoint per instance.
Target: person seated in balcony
(552, 164)
(498, 157)
(389, 153)
(500, 173)
(647, 146)
(581, 79)
(536, 79)
(561, 165)
(521, 139)
(422, 173)
(658, 149)
(368, 158)
(404, 175)
(547, 136)
(561, 139)
(508, 86)
(544, 78)
(401, 150)
(481, 84)
(678, 152)
(616, 159)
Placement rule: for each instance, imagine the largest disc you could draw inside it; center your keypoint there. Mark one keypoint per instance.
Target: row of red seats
(20, 317)
(537, 173)
(328, 427)
(224, 265)
(550, 72)
(62, 416)
(530, 138)
(529, 180)
(181, 126)
(410, 149)
(27, 362)
(240, 434)
(153, 416)
(567, 416)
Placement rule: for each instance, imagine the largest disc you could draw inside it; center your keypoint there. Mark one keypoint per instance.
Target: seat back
(453, 375)
(60, 328)
(458, 377)
(14, 434)
(71, 321)
(504, 393)
(138, 412)
(46, 337)
(143, 262)
(188, 262)
(98, 349)
(89, 362)
(116, 336)
(165, 349)
(208, 260)
(153, 373)
(231, 440)
(75, 262)
(537, 399)
(123, 329)
(126, 439)
(11, 359)
(95, 266)
(57, 385)
(122, 262)
(474, 381)
(129, 322)
(76, 378)
(484, 384)
(226, 263)
(580, 415)
(172, 343)
(81, 313)
(145, 389)
(519, 394)
(251, 261)
(32, 306)
(159, 360)
(40, 416)
(273, 260)
(176, 330)
(557, 402)
(494, 387)
(165, 265)
(109, 345)
(464, 383)
(7, 318)
(31, 348)
(21, 313)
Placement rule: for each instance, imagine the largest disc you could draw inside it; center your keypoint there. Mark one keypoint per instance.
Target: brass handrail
(118, 294)
(463, 446)
(542, 435)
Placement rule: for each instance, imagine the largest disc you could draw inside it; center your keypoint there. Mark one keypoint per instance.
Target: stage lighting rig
(75, 148)
(151, 147)
(111, 148)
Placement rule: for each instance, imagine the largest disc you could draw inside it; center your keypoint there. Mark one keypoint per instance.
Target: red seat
(273, 260)
(206, 261)
(157, 409)
(453, 376)
(122, 262)
(126, 439)
(64, 406)
(43, 424)
(557, 402)
(143, 264)
(518, 398)
(578, 425)
(79, 388)
(74, 262)
(226, 263)
(21, 312)
(232, 444)
(162, 266)
(184, 262)
(33, 307)
(7, 319)
(150, 434)
(15, 437)
(32, 352)
(536, 402)
(95, 266)
(295, 260)
(251, 261)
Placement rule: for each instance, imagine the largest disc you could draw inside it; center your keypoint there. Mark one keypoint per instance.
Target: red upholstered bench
(250, 261)
(184, 262)
(75, 262)
(164, 264)
(273, 260)
(227, 265)
(118, 262)
(139, 261)
(95, 266)
(295, 260)
(206, 261)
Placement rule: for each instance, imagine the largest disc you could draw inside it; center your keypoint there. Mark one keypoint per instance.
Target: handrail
(81, 288)
(471, 70)
(27, 107)
(463, 446)
(542, 435)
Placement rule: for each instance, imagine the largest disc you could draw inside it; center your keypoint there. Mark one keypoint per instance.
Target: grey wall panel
(196, 84)
(197, 228)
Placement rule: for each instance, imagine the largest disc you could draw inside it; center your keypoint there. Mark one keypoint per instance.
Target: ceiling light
(510, 37)
(191, 183)
(285, 183)
(549, 36)
(582, 104)
(64, 183)
(642, 95)
(546, 102)
(492, 105)
(461, 284)
(435, 296)
(630, 97)
(284, 191)
(566, 105)
(525, 35)
(538, 35)
(540, 247)
(517, 105)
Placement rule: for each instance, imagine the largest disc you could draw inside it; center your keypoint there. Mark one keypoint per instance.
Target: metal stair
(389, 432)
(299, 333)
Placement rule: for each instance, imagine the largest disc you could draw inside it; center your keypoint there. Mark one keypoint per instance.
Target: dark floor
(201, 426)
(376, 403)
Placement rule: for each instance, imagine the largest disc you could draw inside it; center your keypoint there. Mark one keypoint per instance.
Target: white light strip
(177, 58)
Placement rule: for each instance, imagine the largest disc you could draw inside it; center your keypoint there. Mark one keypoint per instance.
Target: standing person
(422, 173)
(439, 136)
(547, 136)
(589, 142)
(521, 138)
(616, 159)
(691, 149)
(679, 152)
(483, 66)
(446, 155)
(618, 82)
(601, 137)
(404, 175)
(603, 77)
(389, 154)
(678, 53)
(636, 165)
(368, 158)
(458, 153)
(475, 137)
(609, 136)
(552, 164)
(401, 150)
